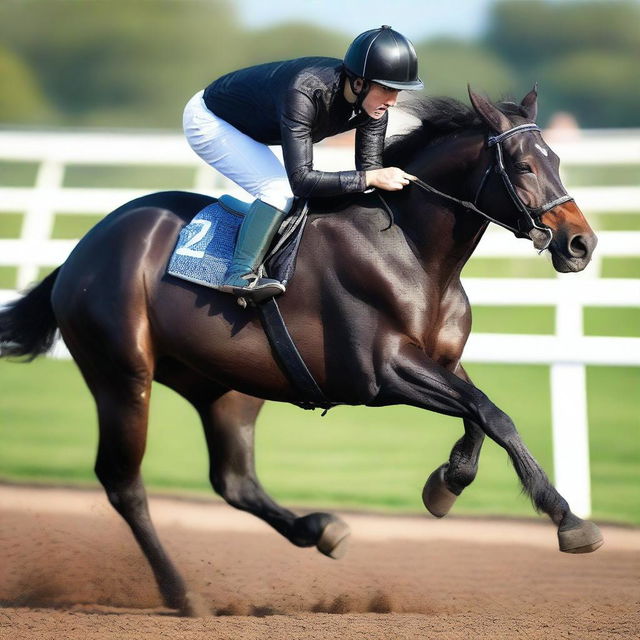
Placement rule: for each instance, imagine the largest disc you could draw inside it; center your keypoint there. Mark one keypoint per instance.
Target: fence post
(37, 223)
(569, 413)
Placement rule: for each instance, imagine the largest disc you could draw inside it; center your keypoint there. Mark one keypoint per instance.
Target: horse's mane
(432, 119)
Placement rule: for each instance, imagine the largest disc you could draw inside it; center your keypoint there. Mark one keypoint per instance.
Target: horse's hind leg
(122, 413)
(229, 423)
(447, 482)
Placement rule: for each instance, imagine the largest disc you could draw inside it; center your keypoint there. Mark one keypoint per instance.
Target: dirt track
(70, 569)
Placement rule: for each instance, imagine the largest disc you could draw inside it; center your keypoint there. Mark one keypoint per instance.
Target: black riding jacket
(296, 103)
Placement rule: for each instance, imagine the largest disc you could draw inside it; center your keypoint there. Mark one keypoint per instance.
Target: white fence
(567, 352)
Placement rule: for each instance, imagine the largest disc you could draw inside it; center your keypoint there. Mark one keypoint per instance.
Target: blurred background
(98, 78)
(134, 63)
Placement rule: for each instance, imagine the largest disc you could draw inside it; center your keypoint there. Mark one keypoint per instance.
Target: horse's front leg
(414, 379)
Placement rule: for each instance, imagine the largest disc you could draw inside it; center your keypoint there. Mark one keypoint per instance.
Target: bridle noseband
(530, 218)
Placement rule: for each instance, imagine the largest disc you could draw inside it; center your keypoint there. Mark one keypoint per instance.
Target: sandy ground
(69, 569)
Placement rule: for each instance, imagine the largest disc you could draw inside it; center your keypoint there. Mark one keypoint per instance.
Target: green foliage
(21, 100)
(531, 32)
(137, 62)
(122, 62)
(291, 40)
(598, 86)
(447, 66)
(584, 54)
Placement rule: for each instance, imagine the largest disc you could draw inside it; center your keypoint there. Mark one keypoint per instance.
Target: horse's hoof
(436, 497)
(582, 537)
(194, 606)
(334, 539)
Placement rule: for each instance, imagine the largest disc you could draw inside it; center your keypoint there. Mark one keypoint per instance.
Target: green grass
(73, 226)
(17, 174)
(589, 175)
(532, 320)
(136, 177)
(604, 321)
(534, 267)
(615, 221)
(354, 457)
(10, 225)
(8, 277)
(620, 268)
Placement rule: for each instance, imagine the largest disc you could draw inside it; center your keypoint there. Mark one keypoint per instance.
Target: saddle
(205, 247)
(203, 253)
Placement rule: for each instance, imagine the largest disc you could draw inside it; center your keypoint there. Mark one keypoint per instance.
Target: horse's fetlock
(460, 476)
(461, 470)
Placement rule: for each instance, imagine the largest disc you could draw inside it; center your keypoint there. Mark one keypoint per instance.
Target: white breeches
(250, 164)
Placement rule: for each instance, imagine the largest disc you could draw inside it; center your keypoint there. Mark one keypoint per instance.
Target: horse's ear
(530, 103)
(489, 112)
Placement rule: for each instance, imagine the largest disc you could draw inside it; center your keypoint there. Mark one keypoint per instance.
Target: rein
(530, 216)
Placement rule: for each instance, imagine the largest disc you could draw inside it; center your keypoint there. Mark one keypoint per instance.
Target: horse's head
(524, 191)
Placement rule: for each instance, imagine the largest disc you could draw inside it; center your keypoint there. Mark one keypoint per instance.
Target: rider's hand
(389, 178)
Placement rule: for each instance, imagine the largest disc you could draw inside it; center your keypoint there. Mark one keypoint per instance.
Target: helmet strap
(361, 95)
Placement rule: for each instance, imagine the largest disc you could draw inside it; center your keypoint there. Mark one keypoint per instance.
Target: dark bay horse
(376, 309)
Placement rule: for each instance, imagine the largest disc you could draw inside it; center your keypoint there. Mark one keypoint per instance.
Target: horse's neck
(442, 231)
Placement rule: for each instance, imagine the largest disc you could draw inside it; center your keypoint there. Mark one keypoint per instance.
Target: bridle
(531, 216)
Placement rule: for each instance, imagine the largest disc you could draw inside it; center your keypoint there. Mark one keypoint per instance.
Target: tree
(21, 101)
(583, 53)
(599, 88)
(446, 67)
(132, 62)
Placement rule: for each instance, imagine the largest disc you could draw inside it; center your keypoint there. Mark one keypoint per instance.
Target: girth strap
(289, 358)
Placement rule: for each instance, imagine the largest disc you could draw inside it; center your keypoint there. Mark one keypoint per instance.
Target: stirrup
(257, 289)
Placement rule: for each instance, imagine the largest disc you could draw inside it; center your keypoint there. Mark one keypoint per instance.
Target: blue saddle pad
(205, 246)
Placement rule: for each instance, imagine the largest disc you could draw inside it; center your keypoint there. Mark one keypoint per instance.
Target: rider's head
(378, 64)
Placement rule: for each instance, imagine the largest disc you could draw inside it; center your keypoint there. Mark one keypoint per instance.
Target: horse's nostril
(578, 247)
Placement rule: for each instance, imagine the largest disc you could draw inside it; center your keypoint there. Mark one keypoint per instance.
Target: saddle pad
(205, 246)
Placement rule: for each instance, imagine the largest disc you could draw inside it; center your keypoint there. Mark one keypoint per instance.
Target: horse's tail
(28, 325)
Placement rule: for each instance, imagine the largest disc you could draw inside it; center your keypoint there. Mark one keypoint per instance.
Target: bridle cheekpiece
(530, 215)
(530, 218)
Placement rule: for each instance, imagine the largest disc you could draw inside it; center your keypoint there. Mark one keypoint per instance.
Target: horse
(376, 308)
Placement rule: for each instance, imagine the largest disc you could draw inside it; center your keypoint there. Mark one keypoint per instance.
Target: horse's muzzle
(573, 240)
(571, 252)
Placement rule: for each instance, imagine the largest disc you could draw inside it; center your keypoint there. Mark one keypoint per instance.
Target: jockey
(294, 104)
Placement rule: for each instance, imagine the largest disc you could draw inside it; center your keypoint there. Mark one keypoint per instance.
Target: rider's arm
(296, 126)
(370, 143)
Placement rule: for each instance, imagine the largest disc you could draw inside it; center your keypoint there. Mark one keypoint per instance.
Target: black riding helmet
(386, 57)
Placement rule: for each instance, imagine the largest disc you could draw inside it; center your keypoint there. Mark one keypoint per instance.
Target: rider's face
(378, 100)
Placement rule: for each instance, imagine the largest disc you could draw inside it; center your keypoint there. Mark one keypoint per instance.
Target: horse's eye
(523, 167)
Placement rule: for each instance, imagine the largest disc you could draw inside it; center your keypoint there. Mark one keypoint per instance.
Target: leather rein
(531, 216)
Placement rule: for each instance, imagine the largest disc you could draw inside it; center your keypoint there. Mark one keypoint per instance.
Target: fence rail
(567, 352)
